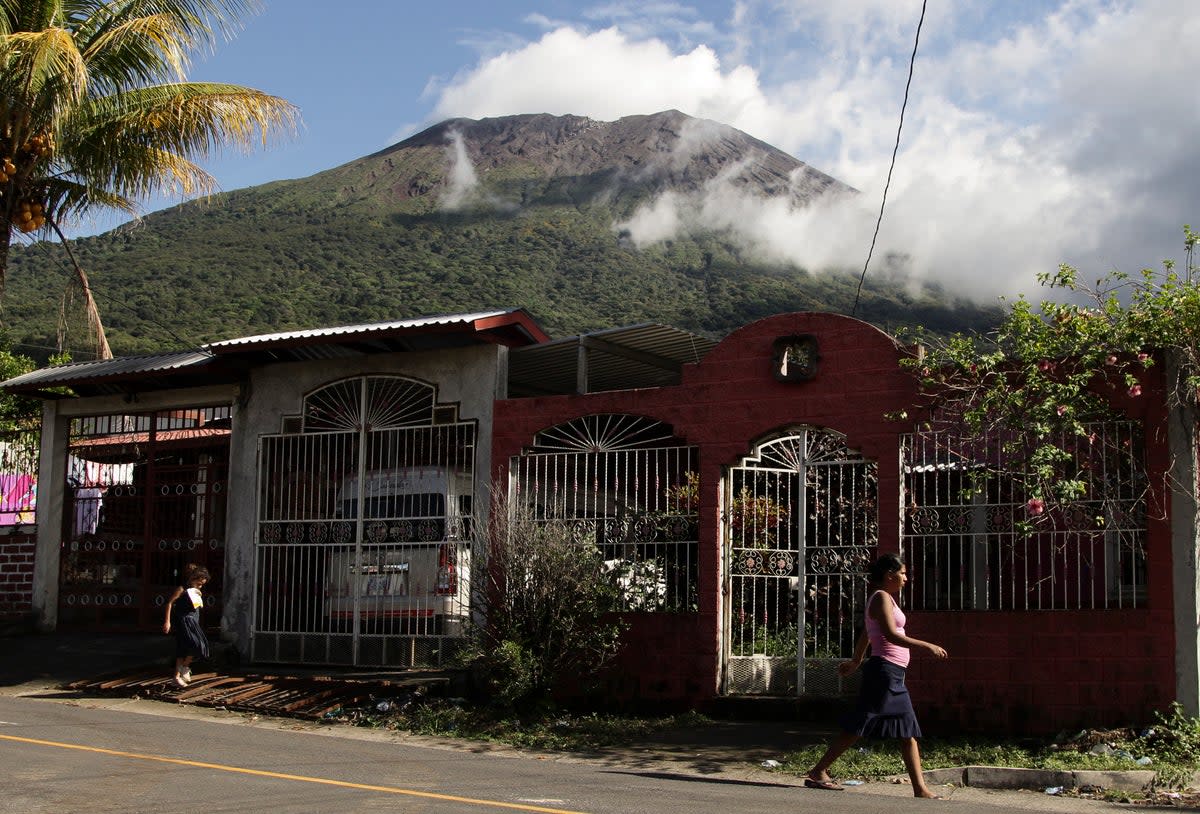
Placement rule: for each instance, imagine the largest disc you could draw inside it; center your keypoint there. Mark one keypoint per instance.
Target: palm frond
(126, 140)
(96, 112)
(139, 52)
(42, 69)
(70, 200)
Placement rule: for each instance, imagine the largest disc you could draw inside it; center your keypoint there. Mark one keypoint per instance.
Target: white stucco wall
(472, 378)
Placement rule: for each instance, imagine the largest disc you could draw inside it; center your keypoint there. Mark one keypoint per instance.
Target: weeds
(1172, 744)
(1175, 738)
(1172, 747)
(549, 729)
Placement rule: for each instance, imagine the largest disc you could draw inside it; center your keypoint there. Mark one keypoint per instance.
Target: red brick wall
(16, 575)
(1048, 671)
(1008, 672)
(1042, 671)
(723, 405)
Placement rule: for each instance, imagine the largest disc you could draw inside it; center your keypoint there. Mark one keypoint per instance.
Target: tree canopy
(1043, 379)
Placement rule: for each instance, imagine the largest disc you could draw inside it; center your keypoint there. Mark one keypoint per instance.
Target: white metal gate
(800, 527)
(364, 540)
(628, 486)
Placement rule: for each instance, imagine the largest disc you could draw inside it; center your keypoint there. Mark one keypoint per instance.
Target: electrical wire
(903, 106)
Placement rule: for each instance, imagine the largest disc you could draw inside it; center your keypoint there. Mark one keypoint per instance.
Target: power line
(903, 106)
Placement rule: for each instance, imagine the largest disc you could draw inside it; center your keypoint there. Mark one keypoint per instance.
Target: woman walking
(884, 708)
(183, 618)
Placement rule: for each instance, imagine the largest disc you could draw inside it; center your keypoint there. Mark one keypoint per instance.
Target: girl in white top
(183, 619)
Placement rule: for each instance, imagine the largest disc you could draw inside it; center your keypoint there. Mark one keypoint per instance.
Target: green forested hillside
(368, 242)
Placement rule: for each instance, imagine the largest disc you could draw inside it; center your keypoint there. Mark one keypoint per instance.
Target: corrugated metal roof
(321, 696)
(225, 361)
(123, 367)
(160, 436)
(365, 330)
(643, 355)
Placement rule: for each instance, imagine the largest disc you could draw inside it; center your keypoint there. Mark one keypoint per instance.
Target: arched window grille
(628, 485)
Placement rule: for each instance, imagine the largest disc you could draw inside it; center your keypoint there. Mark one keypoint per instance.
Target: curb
(997, 777)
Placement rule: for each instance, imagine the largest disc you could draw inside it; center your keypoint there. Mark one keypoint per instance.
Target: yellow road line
(298, 777)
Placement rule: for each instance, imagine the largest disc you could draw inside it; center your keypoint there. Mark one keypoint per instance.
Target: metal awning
(643, 355)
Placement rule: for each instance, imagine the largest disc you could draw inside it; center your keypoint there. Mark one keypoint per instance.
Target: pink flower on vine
(1112, 359)
(1045, 366)
(1135, 390)
(1062, 409)
(1035, 505)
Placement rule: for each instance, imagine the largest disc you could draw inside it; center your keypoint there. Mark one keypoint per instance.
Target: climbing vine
(1044, 379)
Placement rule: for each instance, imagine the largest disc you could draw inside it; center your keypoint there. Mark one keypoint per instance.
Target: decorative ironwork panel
(145, 497)
(608, 432)
(364, 542)
(801, 525)
(373, 402)
(627, 485)
(963, 535)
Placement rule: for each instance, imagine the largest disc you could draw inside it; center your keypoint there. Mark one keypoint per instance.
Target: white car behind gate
(413, 574)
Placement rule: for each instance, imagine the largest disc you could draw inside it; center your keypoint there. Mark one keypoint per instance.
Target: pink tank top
(895, 653)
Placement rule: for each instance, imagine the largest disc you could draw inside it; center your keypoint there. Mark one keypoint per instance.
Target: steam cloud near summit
(1026, 141)
(462, 180)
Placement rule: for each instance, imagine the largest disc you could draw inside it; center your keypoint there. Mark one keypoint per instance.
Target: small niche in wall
(445, 414)
(795, 358)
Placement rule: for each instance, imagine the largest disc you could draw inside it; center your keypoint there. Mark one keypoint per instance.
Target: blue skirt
(884, 707)
(189, 636)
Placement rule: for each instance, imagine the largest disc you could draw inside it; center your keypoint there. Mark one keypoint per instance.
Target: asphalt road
(60, 754)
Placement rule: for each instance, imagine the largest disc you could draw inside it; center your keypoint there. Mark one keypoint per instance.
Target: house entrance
(363, 549)
(145, 497)
(800, 528)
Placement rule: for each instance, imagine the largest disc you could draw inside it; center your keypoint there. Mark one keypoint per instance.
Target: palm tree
(96, 111)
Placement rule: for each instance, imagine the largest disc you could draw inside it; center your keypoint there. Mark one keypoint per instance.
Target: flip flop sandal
(825, 785)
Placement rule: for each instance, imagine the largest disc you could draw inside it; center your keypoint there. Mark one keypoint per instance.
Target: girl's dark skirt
(884, 707)
(189, 636)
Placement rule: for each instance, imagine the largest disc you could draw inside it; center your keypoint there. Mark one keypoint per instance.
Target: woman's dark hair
(194, 572)
(885, 564)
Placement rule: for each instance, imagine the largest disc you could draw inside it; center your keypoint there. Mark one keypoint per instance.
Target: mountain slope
(511, 211)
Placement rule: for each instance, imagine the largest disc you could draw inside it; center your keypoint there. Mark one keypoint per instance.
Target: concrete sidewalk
(35, 664)
(41, 661)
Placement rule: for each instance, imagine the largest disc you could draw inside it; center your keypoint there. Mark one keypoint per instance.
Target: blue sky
(1037, 131)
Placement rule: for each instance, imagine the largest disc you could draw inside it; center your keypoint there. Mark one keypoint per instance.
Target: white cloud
(604, 75)
(1035, 133)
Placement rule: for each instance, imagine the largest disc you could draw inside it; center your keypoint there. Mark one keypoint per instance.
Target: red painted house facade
(1060, 631)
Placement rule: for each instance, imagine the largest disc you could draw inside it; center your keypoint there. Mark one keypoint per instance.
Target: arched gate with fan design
(800, 527)
(364, 540)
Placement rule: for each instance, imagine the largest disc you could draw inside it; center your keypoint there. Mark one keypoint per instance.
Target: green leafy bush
(545, 611)
(1175, 737)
